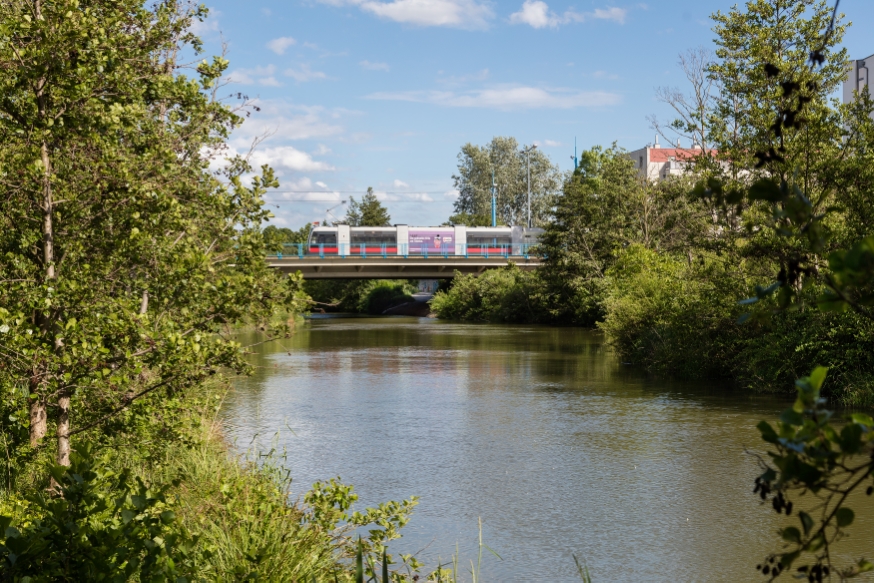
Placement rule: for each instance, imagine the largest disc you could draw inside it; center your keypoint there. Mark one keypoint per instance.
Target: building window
(641, 161)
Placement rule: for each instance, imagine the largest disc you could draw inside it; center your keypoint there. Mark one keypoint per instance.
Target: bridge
(384, 265)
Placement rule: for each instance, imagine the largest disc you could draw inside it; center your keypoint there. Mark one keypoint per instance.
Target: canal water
(541, 432)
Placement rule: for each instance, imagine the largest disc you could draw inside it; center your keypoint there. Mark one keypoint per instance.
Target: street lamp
(527, 152)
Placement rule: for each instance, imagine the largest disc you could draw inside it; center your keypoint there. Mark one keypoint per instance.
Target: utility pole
(527, 152)
(494, 200)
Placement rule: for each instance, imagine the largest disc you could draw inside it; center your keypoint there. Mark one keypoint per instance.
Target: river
(560, 448)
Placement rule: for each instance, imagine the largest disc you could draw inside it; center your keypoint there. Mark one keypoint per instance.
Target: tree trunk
(38, 422)
(64, 429)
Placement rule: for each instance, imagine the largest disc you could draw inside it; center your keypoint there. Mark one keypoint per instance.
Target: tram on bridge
(405, 240)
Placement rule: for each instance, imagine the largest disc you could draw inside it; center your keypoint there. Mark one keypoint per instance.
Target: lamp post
(494, 200)
(527, 152)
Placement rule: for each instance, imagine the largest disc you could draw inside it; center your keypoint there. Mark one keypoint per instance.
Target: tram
(407, 240)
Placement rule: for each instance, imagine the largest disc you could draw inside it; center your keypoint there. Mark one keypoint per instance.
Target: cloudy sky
(383, 93)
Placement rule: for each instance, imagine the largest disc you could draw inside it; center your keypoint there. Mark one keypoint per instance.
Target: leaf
(768, 433)
(862, 419)
(817, 377)
(168, 517)
(765, 189)
(791, 534)
(844, 517)
(127, 515)
(791, 417)
(806, 522)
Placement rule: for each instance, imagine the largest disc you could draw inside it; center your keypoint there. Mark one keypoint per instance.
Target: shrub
(500, 295)
(103, 526)
(380, 295)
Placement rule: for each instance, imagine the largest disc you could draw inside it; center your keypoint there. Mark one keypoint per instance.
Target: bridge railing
(385, 250)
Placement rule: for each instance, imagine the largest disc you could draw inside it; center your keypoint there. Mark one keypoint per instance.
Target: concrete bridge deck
(395, 267)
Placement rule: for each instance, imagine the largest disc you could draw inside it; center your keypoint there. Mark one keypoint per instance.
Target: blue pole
(494, 201)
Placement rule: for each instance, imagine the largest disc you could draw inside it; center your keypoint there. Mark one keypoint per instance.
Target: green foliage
(275, 238)
(510, 166)
(814, 454)
(671, 317)
(380, 295)
(606, 206)
(470, 220)
(102, 526)
(499, 295)
(366, 296)
(367, 213)
(123, 256)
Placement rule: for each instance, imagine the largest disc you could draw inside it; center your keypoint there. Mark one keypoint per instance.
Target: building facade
(858, 79)
(657, 163)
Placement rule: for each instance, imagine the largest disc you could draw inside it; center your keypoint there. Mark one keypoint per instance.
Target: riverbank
(224, 515)
(676, 319)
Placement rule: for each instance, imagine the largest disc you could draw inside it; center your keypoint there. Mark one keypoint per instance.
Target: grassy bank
(172, 478)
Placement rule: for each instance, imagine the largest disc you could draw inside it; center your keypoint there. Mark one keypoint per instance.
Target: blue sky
(383, 93)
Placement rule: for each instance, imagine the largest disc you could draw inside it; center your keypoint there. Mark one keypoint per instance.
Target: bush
(678, 319)
(670, 317)
(103, 526)
(499, 295)
(352, 295)
(380, 295)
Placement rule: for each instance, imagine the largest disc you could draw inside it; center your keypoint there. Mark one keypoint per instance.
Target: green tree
(122, 255)
(783, 54)
(275, 237)
(367, 213)
(510, 166)
(604, 207)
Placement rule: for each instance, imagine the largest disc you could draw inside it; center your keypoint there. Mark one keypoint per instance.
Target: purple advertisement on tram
(432, 240)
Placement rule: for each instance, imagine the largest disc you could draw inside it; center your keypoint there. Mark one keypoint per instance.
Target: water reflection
(560, 448)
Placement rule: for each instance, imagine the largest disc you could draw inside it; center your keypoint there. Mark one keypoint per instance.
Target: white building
(858, 79)
(657, 163)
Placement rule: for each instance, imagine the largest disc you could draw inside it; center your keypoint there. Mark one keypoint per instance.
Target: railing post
(300, 250)
(384, 253)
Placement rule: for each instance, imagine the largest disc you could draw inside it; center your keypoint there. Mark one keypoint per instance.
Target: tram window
(373, 237)
(483, 239)
(325, 239)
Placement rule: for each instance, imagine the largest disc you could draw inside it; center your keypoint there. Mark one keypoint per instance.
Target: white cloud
(614, 14)
(304, 74)
(209, 25)
(468, 14)
(321, 150)
(288, 121)
(547, 144)
(419, 196)
(256, 76)
(506, 98)
(400, 184)
(374, 66)
(453, 194)
(537, 14)
(321, 184)
(278, 45)
(453, 81)
(287, 158)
